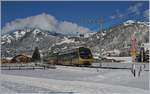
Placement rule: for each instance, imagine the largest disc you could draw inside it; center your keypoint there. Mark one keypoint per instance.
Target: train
(80, 56)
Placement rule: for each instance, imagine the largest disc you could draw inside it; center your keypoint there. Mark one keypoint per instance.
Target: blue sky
(80, 12)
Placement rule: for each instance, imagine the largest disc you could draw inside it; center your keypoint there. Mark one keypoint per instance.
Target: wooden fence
(28, 66)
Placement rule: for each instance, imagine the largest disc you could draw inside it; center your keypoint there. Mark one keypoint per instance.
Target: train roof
(70, 50)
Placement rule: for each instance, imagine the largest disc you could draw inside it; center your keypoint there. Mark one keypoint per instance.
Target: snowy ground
(74, 80)
(124, 59)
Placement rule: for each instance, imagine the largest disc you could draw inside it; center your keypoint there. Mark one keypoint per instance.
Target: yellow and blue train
(77, 56)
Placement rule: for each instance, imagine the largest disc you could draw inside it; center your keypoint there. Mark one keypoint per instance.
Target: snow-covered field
(124, 59)
(74, 80)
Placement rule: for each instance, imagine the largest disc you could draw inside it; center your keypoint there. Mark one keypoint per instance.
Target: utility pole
(101, 23)
(98, 21)
(101, 30)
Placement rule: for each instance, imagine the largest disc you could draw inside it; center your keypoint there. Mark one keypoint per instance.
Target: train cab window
(85, 53)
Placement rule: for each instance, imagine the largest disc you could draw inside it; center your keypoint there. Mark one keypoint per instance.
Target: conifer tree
(36, 55)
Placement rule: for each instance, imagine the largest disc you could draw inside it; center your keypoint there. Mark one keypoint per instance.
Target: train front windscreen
(85, 53)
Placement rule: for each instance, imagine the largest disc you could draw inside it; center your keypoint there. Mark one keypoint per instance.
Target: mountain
(24, 41)
(118, 38)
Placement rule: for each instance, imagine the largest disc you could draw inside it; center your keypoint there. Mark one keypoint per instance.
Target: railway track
(127, 66)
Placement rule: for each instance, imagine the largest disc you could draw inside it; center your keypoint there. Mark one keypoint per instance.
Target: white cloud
(42, 21)
(116, 15)
(71, 28)
(146, 13)
(45, 22)
(135, 8)
(112, 17)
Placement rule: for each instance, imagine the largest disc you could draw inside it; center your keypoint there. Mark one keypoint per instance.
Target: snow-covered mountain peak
(129, 22)
(144, 23)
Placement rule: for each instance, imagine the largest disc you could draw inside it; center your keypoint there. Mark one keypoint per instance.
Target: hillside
(119, 37)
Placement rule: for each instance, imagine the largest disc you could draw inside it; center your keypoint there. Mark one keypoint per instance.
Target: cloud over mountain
(146, 13)
(45, 22)
(135, 8)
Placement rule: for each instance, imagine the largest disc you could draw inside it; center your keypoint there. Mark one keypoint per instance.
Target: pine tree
(36, 55)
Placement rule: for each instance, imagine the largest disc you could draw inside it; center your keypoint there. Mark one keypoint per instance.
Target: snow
(46, 35)
(124, 59)
(37, 39)
(2, 43)
(22, 33)
(8, 41)
(129, 22)
(9, 58)
(28, 30)
(96, 55)
(97, 37)
(145, 23)
(19, 34)
(87, 35)
(6, 38)
(74, 79)
(66, 40)
(103, 33)
(113, 52)
(91, 39)
(146, 45)
(36, 31)
(64, 48)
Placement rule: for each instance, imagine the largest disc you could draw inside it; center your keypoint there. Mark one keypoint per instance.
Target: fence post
(19, 67)
(133, 70)
(33, 68)
(9, 67)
